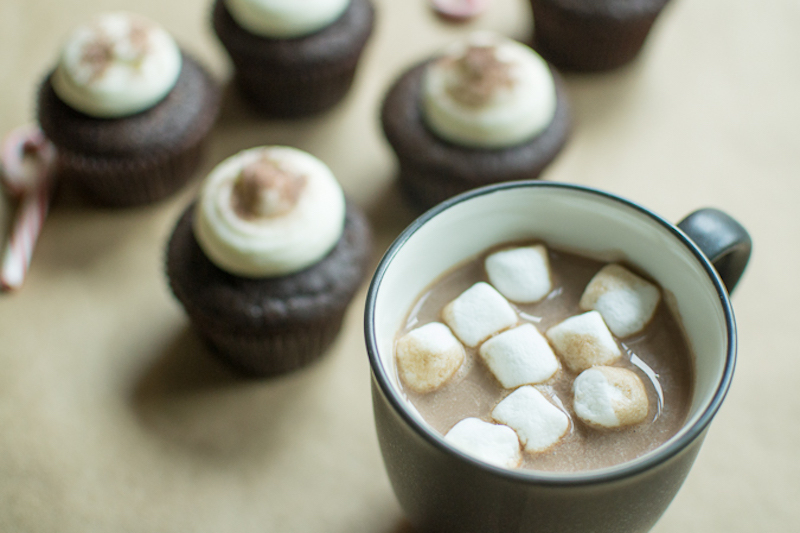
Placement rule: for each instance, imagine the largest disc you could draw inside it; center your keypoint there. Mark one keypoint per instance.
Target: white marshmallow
(428, 356)
(626, 301)
(583, 341)
(478, 313)
(609, 397)
(492, 443)
(539, 424)
(520, 274)
(519, 356)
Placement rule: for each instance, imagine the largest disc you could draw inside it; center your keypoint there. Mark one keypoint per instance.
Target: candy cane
(459, 10)
(28, 161)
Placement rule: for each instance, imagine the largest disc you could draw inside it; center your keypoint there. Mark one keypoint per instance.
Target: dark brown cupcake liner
(287, 96)
(299, 76)
(592, 36)
(268, 326)
(275, 351)
(137, 159)
(432, 170)
(127, 182)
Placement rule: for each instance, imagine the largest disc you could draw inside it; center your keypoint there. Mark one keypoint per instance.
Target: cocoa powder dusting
(100, 53)
(139, 36)
(481, 75)
(263, 189)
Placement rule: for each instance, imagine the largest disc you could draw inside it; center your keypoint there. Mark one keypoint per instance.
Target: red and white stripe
(24, 233)
(28, 161)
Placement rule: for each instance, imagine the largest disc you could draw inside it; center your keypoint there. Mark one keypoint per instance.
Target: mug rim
(617, 472)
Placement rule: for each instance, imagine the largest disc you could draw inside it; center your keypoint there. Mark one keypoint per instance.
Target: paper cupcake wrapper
(273, 352)
(581, 42)
(424, 188)
(301, 76)
(130, 181)
(286, 94)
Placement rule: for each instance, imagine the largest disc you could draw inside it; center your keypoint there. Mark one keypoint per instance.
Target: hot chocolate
(658, 354)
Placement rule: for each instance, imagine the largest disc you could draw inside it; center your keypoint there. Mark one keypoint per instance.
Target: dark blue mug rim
(625, 470)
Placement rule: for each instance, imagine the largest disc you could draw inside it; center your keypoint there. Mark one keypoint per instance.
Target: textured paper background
(114, 418)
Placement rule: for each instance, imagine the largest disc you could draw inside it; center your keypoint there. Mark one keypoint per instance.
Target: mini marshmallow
(496, 444)
(539, 424)
(519, 356)
(478, 313)
(626, 301)
(520, 274)
(428, 356)
(609, 397)
(583, 341)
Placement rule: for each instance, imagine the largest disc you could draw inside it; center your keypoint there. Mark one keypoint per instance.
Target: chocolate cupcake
(128, 111)
(487, 110)
(268, 259)
(592, 36)
(294, 58)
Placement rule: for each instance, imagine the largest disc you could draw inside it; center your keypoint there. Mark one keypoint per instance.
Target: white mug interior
(571, 218)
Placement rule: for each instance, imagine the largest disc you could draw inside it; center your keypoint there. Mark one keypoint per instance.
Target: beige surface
(114, 418)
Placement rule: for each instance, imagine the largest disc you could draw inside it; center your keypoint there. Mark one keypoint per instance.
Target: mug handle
(722, 239)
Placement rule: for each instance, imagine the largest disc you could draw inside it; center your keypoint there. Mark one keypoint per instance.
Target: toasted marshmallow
(478, 313)
(539, 424)
(428, 356)
(493, 443)
(519, 356)
(584, 341)
(609, 397)
(520, 274)
(626, 301)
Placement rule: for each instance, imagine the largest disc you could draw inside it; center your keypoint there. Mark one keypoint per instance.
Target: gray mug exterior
(444, 490)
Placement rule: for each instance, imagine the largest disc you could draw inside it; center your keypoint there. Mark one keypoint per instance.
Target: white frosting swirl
(488, 92)
(285, 18)
(117, 65)
(270, 244)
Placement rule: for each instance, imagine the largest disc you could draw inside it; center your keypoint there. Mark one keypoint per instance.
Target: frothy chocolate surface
(659, 354)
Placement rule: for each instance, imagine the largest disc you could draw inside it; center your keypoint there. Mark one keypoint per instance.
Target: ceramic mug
(442, 489)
